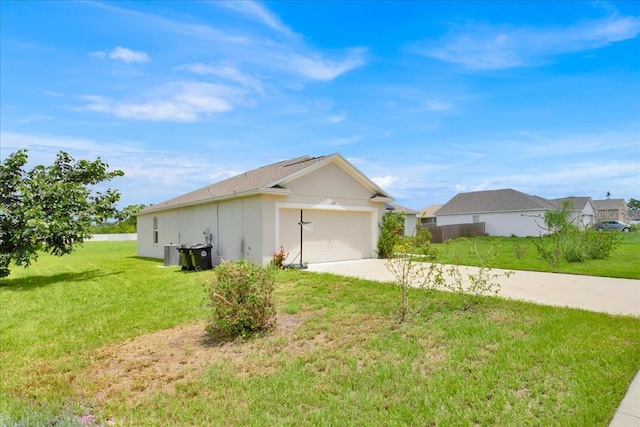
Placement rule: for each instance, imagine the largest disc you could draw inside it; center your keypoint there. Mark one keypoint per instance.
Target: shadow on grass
(34, 282)
(146, 259)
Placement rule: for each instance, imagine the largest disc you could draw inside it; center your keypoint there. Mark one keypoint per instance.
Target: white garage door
(335, 235)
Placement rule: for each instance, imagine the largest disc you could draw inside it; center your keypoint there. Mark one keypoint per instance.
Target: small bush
(391, 232)
(422, 243)
(574, 244)
(240, 295)
(519, 250)
(278, 258)
(600, 244)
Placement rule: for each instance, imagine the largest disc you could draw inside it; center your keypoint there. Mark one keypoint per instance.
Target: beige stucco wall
(233, 227)
(246, 228)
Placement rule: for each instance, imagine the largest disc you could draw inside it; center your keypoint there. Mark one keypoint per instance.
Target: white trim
(290, 205)
(342, 163)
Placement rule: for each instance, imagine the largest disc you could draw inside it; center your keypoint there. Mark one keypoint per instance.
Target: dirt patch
(157, 362)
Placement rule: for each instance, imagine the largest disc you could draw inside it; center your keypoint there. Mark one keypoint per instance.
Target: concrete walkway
(600, 294)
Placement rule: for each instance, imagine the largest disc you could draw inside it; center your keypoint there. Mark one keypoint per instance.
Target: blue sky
(428, 99)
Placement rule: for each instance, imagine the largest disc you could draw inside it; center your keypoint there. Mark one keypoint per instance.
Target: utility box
(171, 255)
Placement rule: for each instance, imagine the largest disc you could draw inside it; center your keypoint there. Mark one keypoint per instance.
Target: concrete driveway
(601, 294)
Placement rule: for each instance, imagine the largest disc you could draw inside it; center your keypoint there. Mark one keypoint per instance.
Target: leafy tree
(125, 221)
(50, 208)
(633, 204)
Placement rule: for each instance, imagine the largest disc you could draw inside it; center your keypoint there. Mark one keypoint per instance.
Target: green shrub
(574, 253)
(391, 232)
(601, 244)
(422, 243)
(240, 295)
(574, 244)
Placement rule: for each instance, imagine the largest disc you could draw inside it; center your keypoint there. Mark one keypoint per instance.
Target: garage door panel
(335, 235)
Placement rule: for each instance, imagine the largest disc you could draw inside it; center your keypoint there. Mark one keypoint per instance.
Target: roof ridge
(296, 160)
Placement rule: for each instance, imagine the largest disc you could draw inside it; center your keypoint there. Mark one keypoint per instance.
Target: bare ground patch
(159, 361)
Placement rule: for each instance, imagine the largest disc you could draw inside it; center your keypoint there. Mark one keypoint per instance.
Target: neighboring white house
(582, 210)
(250, 216)
(409, 217)
(509, 212)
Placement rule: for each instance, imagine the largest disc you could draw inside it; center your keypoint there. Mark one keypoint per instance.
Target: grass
(519, 253)
(86, 340)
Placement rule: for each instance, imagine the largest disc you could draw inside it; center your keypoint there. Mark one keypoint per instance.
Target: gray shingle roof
(263, 179)
(578, 203)
(507, 200)
(608, 204)
(402, 209)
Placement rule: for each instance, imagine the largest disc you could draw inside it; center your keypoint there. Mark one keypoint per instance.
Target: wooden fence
(442, 233)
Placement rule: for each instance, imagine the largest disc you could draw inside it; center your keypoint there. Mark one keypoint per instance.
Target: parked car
(612, 226)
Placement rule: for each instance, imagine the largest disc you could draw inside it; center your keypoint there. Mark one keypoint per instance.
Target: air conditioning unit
(171, 255)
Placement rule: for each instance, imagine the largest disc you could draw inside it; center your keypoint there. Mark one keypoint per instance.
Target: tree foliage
(50, 208)
(125, 222)
(571, 243)
(634, 204)
(391, 232)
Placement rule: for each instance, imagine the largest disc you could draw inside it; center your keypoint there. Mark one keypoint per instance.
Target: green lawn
(86, 338)
(519, 253)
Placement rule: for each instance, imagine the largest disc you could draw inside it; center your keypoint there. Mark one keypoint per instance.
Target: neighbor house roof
(609, 204)
(506, 200)
(578, 203)
(266, 179)
(396, 208)
(429, 211)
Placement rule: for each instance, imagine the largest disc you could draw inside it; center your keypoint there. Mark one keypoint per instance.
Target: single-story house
(409, 217)
(611, 210)
(428, 215)
(583, 210)
(509, 212)
(317, 208)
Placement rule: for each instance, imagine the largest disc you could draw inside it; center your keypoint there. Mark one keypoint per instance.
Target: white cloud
(290, 56)
(151, 176)
(17, 141)
(387, 182)
(226, 72)
(357, 160)
(128, 55)
(176, 102)
(121, 54)
(256, 12)
(488, 47)
(437, 105)
(53, 94)
(336, 118)
(465, 188)
(315, 67)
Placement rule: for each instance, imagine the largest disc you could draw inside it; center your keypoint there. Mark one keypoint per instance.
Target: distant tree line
(124, 222)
